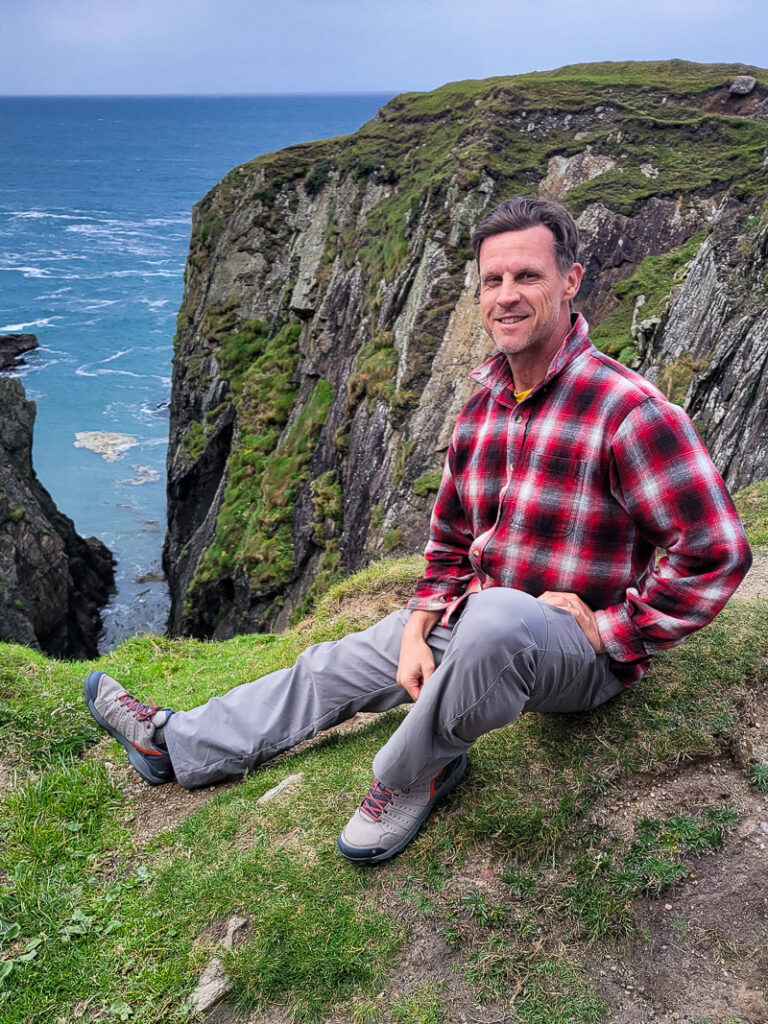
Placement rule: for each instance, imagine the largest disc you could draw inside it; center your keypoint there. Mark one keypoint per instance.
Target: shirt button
(519, 419)
(511, 467)
(475, 553)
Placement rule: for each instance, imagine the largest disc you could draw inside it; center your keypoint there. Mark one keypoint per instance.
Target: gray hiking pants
(507, 653)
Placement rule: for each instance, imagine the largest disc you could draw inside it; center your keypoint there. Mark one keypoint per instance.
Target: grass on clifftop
(104, 918)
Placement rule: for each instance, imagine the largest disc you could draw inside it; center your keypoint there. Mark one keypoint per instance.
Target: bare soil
(755, 583)
(702, 949)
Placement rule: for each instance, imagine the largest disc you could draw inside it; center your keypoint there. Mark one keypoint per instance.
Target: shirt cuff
(621, 640)
(433, 595)
(427, 603)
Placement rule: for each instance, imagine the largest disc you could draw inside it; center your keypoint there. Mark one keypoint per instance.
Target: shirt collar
(495, 374)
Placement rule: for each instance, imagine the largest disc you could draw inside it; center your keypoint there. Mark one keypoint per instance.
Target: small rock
(234, 925)
(214, 984)
(287, 783)
(742, 85)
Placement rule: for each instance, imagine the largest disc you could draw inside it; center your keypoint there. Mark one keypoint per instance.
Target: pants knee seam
(467, 711)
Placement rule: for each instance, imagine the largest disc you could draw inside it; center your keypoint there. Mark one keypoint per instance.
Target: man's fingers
(411, 684)
(571, 602)
(582, 613)
(412, 689)
(413, 680)
(416, 664)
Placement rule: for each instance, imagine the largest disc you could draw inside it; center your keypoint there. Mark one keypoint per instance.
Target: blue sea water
(95, 211)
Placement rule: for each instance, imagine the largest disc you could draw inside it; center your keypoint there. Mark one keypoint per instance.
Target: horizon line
(197, 95)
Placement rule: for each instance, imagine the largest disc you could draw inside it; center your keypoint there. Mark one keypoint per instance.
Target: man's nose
(509, 292)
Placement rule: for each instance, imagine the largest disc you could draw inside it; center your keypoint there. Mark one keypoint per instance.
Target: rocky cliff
(52, 581)
(330, 310)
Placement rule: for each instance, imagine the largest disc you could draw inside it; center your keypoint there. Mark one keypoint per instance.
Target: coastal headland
(329, 319)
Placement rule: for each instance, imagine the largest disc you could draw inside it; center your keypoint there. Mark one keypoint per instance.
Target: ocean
(95, 211)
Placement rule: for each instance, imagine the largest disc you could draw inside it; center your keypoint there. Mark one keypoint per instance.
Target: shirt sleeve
(664, 478)
(448, 571)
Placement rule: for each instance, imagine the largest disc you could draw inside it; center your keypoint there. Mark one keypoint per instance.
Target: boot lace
(376, 800)
(141, 712)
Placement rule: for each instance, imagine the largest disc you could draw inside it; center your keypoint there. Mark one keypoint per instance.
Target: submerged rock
(53, 582)
(109, 446)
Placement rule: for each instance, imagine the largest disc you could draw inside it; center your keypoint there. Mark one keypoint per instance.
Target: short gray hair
(528, 212)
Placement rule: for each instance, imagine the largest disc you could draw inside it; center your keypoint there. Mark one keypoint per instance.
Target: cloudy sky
(254, 46)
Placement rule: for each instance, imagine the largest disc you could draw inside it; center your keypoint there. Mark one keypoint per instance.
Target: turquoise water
(95, 203)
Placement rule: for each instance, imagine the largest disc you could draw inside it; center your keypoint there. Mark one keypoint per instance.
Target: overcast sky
(254, 46)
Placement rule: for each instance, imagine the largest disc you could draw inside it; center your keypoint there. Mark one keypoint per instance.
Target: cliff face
(52, 581)
(710, 348)
(330, 312)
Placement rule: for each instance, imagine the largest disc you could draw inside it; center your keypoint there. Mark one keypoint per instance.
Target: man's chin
(512, 346)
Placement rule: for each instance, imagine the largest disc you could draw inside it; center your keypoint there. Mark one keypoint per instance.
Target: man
(566, 472)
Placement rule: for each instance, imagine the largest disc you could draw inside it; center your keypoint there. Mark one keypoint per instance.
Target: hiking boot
(388, 819)
(131, 723)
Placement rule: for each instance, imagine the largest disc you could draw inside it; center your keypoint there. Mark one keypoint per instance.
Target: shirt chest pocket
(547, 494)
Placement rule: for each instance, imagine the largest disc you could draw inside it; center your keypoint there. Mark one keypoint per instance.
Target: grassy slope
(95, 921)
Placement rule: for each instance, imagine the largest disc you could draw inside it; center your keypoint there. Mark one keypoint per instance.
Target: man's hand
(416, 663)
(581, 612)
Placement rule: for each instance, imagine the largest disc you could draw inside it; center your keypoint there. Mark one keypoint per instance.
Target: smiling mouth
(511, 319)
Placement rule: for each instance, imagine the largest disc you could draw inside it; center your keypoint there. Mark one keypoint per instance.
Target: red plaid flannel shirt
(574, 489)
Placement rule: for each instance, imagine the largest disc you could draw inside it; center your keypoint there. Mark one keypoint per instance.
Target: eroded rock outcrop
(52, 581)
(330, 311)
(710, 349)
(13, 346)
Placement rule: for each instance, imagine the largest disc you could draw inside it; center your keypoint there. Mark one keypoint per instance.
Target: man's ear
(573, 281)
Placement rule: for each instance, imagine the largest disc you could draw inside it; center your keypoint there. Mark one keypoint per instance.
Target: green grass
(601, 886)
(99, 917)
(752, 504)
(98, 923)
(757, 774)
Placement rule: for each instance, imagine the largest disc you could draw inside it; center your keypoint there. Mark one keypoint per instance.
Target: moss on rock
(268, 464)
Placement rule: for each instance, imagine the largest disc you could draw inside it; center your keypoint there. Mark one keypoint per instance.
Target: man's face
(523, 295)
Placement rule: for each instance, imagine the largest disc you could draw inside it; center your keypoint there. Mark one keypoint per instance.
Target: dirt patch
(154, 808)
(7, 777)
(701, 952)
(755, 583)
